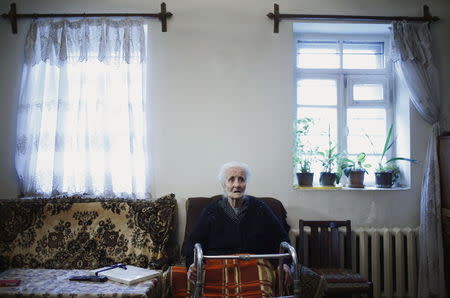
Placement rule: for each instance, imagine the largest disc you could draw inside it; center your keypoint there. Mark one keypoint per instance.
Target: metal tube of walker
(198, 261)
(284, 246)
(296, 278)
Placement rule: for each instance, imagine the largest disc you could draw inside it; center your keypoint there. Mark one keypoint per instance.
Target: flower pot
(305, 179)
(384, 179)
(327, 179)
(356, 179)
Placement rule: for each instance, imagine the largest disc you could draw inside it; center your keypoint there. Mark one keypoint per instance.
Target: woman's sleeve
(279, 231)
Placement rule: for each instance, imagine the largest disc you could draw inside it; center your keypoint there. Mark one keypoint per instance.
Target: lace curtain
(414, 63)
(81, 113)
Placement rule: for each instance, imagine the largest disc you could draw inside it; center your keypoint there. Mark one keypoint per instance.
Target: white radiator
(387, 257)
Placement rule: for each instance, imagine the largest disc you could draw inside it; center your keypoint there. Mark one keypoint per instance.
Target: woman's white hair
(233, 164)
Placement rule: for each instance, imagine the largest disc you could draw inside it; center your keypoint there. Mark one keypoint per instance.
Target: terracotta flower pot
(327, 179)
(356, 179)
(384, 179)
(305, 179)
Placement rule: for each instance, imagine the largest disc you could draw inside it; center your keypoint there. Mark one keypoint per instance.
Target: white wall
(221, 88)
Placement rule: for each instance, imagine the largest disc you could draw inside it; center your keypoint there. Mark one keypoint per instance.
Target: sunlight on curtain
(81, 120)
(414, 63)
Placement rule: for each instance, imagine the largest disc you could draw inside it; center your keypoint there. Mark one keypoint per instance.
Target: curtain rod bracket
(163, 16)
(12, 16)
(276, 16)
(427, 15)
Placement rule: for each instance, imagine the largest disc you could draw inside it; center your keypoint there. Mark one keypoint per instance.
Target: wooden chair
(324, 252)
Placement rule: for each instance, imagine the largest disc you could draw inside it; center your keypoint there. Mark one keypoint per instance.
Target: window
(343, 84)
(81, 117)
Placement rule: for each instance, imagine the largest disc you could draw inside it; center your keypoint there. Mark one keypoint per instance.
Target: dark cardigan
(258, 232)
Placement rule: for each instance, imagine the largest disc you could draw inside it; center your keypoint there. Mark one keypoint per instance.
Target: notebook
(129, 276)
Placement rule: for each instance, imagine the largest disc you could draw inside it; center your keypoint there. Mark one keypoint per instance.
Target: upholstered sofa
(87, 233)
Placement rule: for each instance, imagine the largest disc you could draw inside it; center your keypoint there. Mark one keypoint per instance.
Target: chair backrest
(195, 205)
(324, 248)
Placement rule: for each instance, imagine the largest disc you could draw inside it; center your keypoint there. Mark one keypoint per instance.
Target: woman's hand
(192, 273)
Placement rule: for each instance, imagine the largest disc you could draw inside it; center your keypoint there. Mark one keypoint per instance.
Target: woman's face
(235, 183)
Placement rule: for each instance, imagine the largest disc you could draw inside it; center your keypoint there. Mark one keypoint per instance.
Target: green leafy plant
(304, 166)
(330, 156)
(389, 165)
(348, 165)
(302, 150)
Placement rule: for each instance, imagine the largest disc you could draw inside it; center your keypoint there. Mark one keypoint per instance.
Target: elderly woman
(235, 223)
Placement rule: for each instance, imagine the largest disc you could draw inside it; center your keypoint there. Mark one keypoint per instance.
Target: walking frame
(286, 251)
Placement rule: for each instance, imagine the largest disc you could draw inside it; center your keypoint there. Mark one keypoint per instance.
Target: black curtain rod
(276, 16)
(12, 15)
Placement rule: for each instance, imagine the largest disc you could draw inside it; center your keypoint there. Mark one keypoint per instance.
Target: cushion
(343, 280)
(340, 275)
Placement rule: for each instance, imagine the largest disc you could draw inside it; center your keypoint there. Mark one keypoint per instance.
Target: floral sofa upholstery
(80, 233)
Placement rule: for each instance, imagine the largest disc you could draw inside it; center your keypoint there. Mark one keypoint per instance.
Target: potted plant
(387, 171)
(329, 159)
(355, 170)
(387, 175)
(305, 177)
(303, 151)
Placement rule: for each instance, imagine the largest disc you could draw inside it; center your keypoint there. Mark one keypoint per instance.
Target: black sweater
(258, 232)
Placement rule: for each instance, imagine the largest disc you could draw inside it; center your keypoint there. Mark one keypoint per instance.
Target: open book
(129, 276)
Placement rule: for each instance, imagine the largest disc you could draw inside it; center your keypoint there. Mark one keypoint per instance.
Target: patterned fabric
(228, 278)
(81, 113)
(56, 283)
(105, 39)
(175, 283)
(80, 233)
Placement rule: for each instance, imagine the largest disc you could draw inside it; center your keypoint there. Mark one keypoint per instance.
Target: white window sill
(342, 188)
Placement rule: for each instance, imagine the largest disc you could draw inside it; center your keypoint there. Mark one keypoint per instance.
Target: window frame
(348, 77)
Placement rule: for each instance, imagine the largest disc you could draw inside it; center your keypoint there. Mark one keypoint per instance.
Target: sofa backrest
(80, 233)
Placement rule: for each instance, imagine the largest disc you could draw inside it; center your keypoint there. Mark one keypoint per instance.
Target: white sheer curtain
(414, 62)
(81, 113)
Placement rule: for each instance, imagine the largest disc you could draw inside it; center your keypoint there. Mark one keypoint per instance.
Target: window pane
(368, 92)
(369, 55)
(317, 92)
(316, 168)
(323, 118)
(318, 54)
(372, 160)
(366, 130)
